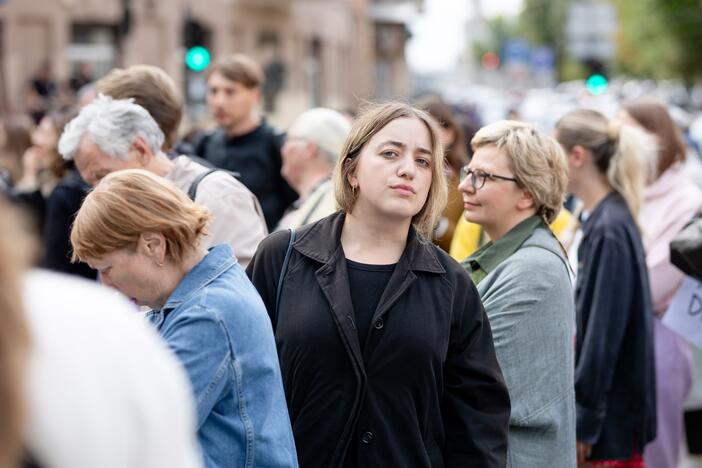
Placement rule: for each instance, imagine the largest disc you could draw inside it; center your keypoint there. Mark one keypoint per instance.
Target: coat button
(367, 437)
(379, 324)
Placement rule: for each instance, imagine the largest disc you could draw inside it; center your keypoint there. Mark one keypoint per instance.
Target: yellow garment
(467, 238)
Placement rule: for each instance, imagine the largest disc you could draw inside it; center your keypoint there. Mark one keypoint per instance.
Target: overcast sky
(439, 33)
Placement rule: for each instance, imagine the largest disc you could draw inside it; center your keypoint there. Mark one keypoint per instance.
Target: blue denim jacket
(218, 327)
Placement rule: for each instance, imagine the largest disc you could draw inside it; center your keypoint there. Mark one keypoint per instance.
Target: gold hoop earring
(353, 191)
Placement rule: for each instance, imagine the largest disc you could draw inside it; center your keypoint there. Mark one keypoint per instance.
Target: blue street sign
(515, 51)
(543, 59)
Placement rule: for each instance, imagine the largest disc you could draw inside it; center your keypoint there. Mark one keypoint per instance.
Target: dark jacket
(256, 157)
(61, 208)
(425, 391)
(615, 386)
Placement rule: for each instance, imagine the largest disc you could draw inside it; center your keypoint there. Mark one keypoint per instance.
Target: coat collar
(321, 241)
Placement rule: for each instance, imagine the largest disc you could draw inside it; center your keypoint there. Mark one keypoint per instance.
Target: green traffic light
(197, 58)
(596, 84)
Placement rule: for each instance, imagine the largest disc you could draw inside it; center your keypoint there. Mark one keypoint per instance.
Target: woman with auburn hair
(669, 202)
(615, 389)
(514, 187)
(142, 234)
(387, 357)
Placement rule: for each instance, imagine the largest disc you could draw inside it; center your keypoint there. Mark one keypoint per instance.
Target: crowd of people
(423, 299)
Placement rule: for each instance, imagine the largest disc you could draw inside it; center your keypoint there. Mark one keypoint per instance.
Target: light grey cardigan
(529, 302)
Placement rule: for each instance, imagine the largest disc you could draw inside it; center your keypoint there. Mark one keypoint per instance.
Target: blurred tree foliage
(499, 29)
(656, 39)
(660, 38)
(542, 22)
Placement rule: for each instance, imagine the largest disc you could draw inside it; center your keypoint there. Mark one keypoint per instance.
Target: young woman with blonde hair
(513, 188)
(614, 370)
(386, 352)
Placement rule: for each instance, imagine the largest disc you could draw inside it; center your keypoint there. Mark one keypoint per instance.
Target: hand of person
(31, 165)
(31, 162)
(583, 450)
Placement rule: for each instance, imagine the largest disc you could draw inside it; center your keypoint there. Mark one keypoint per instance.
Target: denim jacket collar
(217, 260)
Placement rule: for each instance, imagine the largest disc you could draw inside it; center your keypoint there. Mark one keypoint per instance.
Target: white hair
(113, 125)
(326, 128)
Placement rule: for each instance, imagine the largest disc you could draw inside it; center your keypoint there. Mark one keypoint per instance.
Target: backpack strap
(192, 191)
(283, 271)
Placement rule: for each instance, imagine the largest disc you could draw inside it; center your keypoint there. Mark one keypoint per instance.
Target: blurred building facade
(315, 52)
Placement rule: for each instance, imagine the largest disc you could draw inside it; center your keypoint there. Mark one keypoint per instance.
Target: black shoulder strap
(192, 191)
(281, 278)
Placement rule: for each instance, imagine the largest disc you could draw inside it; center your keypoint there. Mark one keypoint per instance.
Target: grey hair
(324, 127)
(113, 125)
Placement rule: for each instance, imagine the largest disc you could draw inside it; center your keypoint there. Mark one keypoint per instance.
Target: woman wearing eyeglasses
(513, 187)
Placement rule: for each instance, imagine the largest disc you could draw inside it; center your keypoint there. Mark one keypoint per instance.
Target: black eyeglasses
(478, 177)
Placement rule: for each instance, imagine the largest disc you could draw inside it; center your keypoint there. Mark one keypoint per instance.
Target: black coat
(615, 381)
(425, 391)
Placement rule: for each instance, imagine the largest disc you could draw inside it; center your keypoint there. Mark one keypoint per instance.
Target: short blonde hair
(537, 160)
(373, 120)
(126, 204)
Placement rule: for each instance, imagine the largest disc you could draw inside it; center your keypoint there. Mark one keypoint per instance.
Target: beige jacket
(318, 204)
(237, 216)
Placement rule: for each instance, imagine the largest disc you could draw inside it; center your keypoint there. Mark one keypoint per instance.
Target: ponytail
(625, 155)
(632, 164)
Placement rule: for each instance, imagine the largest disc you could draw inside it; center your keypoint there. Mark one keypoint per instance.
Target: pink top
(669, 203)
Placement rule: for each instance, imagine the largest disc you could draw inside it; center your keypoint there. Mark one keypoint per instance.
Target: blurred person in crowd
(312, 146)
(151, 88)
(387, 357)
(85, 95)
(513, 187)
(615, 386)
(53, 190)
(15, 140)
(244, 142)
(456, 156)
(42, 166)
(143, 235)
(43, 81)
(81, 76)
(40, 91)
(113, 134)
(75, 393)
(670, 200)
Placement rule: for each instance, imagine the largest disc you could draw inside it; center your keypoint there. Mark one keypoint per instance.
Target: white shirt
(103, 389)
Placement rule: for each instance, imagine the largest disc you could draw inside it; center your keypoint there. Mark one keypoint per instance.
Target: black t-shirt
(367, 284)
(256, 157)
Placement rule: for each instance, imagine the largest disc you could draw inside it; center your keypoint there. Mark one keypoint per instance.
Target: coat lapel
(334, 281)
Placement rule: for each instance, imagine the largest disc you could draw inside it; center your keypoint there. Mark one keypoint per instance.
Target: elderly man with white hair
(313, 144)
(113, 134)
